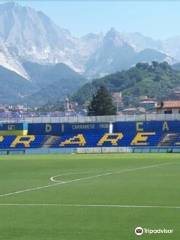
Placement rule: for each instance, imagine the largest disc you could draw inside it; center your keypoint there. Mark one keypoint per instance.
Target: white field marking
(81, 179)
(86, 205)
(53, 179)
(103, 174)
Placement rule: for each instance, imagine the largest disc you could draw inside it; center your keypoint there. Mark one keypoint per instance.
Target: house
(168, 107)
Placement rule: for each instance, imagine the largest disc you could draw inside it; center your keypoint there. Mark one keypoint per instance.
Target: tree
(101, 103)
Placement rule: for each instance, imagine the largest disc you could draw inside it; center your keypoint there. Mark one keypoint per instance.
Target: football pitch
(89, 197)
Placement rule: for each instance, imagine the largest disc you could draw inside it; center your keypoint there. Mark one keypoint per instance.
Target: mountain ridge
(30, 35)
(35, 49)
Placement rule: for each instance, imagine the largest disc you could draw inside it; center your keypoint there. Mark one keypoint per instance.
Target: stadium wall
(113, 136)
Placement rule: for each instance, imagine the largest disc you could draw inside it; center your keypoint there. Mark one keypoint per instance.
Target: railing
(87, 119)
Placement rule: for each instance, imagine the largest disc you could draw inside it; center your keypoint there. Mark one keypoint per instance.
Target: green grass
(153, 186)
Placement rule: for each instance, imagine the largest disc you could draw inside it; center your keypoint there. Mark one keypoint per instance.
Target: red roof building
(168, 107)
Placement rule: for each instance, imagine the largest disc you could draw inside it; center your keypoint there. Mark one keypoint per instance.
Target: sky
(157, 19)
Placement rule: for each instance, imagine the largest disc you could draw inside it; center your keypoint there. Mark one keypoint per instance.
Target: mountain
(45, 74)
(176, 66)
(47, 83)
(13, 87)
(140, 42)
(54, 82)
(156, 80)
(49, 62)
(172, 47)
(11, 62)
(148, 55)
(30, 35)
(115, 54)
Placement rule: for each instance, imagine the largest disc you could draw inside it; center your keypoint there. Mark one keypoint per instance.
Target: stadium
(89, 120)
(109, 177)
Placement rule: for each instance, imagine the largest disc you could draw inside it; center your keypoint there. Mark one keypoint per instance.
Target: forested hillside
(157, 80)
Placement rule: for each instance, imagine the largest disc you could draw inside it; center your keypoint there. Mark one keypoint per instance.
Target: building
(168, 107)
(147, 103)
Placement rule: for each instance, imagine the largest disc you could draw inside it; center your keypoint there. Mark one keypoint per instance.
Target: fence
(87, 119)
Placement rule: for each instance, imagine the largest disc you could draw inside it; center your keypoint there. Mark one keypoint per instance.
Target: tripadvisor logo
(140, 231)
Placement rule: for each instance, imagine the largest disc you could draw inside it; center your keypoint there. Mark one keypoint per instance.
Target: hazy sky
(158, 19)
